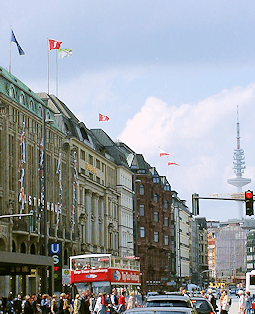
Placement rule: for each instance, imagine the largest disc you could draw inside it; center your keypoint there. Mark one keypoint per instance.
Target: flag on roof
(54, 44)
(172, 163)
(14, 40)
(64, 52)
(103, 118)
(162, 153)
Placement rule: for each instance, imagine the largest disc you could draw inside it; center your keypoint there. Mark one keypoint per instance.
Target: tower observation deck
(239, 166)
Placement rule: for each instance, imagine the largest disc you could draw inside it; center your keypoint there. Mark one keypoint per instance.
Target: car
(169, 300)
(162, 310)
(203, 306)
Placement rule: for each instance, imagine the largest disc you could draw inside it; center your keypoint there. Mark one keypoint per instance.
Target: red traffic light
(248, 195)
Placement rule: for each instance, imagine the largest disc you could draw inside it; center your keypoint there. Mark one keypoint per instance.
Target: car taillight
(212, 313)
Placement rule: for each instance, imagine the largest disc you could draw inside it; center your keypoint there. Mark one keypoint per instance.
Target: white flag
(63, 52)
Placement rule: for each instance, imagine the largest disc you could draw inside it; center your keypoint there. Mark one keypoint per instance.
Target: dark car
(162, 310)
(169, 300)
(202, 305)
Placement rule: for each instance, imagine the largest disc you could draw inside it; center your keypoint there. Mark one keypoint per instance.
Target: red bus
(103, 272)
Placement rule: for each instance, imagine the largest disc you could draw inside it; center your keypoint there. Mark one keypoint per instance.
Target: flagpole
(48, 66)
(57, 72)
(158, 159)
(10, 54)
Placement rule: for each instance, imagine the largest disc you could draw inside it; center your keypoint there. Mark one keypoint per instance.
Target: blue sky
(167, 73)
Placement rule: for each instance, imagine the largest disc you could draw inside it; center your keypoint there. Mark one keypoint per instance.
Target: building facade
(182, 221)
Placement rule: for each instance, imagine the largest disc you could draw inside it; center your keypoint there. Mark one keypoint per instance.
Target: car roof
(199, 298)
(168, 297)
(160, 309)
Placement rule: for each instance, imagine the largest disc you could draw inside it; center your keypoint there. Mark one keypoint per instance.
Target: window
(142, 232)
(31, 105)
(156, 216)
(141, 189)
(156, 236)
(40, 111)
(98, 164)
(91, 160)
(155, 198)
(11, 92)
(166, 204)
(166, 221)
(166, 240)
(141, 210)
(22, 99)
(82, 154)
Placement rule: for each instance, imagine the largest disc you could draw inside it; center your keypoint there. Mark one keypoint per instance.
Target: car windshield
(201, 305)
(167, 303)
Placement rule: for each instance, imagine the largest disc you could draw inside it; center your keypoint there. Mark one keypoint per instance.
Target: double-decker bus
(103, 272)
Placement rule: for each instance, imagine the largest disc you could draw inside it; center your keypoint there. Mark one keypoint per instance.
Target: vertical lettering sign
(56, 253)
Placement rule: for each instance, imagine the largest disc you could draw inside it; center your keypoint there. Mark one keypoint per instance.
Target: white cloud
(198, 137)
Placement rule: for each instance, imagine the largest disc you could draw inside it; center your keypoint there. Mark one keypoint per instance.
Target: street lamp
(201, 275)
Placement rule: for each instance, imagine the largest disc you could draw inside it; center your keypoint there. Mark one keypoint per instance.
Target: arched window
(12, 92)
(32, 249)
(13, 246)
(155, 198)
(141, 189)
(22, 99)
(22, 248)
(40, 111)
(31, 105)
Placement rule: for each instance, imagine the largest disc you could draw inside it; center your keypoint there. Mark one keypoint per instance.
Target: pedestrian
(44, 304)
(203, 294)
(67, 307)
(241, 305)
(211, 298)
(84, 307)
(17, 305)
(92, 303)
(61, 303)
(10, 305)
(54, 305)
(77, 304)
(248, 302)
(114, 299)
(131, 301)
(28, 309)
(122, 301)
(225, 302)
(104, 303)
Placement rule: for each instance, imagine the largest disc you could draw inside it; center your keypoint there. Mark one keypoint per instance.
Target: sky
(169, 75)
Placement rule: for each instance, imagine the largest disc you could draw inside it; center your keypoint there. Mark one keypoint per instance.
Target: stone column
(96, 222)
(88, 196)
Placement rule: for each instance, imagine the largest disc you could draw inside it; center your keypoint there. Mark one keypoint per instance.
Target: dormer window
(31, 105)
(22, 99)
(40, 113)
(12, 92)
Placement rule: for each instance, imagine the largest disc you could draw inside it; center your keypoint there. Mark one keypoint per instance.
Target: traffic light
(195, 204)
(249, 202)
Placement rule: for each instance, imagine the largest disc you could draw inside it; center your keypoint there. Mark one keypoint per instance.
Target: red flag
(172, 163)
(162, 153)
(53, 44)
(103, 118)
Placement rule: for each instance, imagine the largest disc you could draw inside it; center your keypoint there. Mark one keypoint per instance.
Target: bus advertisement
(103, 272)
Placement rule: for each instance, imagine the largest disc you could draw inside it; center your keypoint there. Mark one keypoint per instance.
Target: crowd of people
(86, 303)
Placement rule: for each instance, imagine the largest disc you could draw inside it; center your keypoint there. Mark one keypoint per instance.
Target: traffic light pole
(248, 199)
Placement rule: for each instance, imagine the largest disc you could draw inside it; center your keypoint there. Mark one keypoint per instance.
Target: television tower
(239, 166)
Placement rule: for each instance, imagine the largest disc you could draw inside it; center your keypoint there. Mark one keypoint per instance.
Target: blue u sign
(55, 248)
